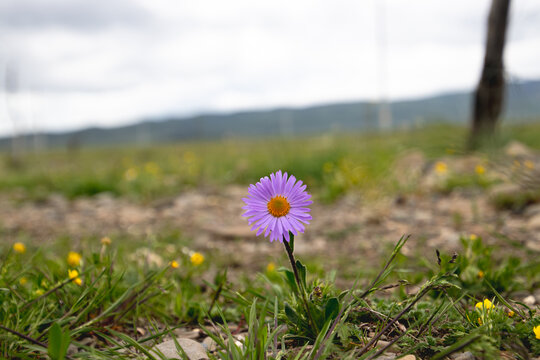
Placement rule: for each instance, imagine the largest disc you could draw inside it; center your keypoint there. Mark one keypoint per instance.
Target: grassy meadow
(119, 296)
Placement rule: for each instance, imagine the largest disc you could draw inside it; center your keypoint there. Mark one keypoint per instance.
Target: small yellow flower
(485, 305)
(537, 332)
(479, 169)
(271, 267)
(197, 259)
(131, 174)
(106, 241)
(528, 164)
(473, 237)
(39, 292)
(23, 281)
(19, 247)
(441, 167)
(480, 274)
(73, 274)
(74, 259)
(511, 313)
(174, 264)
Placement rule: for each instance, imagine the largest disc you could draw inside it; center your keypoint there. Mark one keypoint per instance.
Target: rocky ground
(347, 229)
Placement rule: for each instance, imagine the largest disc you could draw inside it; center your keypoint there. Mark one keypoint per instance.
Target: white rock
(193, 349)
(517, 149)
(209, 344)
(462, 356)
(529, 300)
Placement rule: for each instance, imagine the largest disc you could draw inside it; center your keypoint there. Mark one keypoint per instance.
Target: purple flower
(278, 205)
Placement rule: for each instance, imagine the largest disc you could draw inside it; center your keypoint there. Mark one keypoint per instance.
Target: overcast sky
(68, 64)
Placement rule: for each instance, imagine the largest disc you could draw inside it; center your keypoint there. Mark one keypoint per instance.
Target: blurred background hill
(523, 105)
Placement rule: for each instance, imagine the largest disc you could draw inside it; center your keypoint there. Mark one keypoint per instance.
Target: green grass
(131, 298)
(333, 163)
(122, 291)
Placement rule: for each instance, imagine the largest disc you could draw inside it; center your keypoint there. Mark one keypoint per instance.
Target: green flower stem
(300, 286)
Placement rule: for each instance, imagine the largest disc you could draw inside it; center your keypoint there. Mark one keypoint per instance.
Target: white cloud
(78, 65)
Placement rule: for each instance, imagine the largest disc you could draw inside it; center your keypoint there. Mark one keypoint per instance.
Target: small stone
(388, 356)
(504, 190)
(534, 222)
(463, 356)
(72, 349)
(209, 344)
(187, 333)
(408, 357)
(383, 343)
(193, 349)
(529, 300)
(517, 149)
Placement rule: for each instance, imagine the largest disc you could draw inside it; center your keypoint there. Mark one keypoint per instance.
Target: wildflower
(23, 281)
(485, 305)
(74, 275)
(74, 259)
(174, 264)
(197, 259)
(278, 205)
(511, 313)
(19, 247)
(480, 274)
(131, 174)
(441, 167)
(479, 169)
(528, 164)
(473, 237)
(39, 292)
(537, 332)
(271, 267)
(106, 241)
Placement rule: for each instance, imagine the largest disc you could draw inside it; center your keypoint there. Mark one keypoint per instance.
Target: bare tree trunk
(489, 95)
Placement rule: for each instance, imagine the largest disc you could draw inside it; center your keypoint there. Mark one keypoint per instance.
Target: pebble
(529, 300)
(209, 344)
(463, 356)
(193, 349)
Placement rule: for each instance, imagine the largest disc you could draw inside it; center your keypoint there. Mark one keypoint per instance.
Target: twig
(396, 318)
(22, 336)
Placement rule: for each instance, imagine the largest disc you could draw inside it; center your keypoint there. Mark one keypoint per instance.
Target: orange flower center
(278, 206)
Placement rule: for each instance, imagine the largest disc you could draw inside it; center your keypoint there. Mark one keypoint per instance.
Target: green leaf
(291, 314)
(301, 273)
(55, 341)
(331, 309)
(58, 342)
(289, 276)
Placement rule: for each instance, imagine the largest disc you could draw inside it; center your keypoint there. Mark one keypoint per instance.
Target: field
(417, 248)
